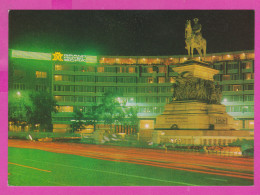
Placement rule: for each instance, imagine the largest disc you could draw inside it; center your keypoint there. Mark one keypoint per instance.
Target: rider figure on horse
(196, 31)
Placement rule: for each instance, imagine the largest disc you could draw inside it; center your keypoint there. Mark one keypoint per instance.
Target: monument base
(194, 115)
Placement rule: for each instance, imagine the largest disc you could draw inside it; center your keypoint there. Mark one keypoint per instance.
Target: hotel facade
(145, 82)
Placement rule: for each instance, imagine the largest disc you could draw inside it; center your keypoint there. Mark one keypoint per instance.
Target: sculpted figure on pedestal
(194, 39)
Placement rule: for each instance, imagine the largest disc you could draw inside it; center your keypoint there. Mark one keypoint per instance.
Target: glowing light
(18, 93)
(132, 99)
(80, 58)
(57, 56)
(184, 59)
(31, 55)
(251, 123)
(146, 126)
(171, 58)
(225, 100)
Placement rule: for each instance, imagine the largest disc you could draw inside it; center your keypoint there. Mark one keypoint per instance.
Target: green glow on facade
(31, 55)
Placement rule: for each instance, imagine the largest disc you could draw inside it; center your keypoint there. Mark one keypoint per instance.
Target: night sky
(127, 33)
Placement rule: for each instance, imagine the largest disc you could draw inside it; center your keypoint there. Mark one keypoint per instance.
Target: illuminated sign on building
(31, 55)
(57, 56)
(80, 58)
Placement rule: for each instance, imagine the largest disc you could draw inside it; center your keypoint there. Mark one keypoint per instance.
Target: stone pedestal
(194, 115)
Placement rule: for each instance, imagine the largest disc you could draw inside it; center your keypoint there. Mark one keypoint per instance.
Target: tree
(16, 108)
(110, 111)
(78, 121)
(40, 110)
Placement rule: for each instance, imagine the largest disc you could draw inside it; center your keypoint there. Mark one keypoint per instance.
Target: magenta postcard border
(122, 5)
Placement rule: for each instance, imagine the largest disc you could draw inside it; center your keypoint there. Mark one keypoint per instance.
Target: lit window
(41, 74)
(248, 65)
(249, 76)
(65, 108)
(58, 67)
(150, 79)
(150, 70)
(237, 87)
(161, 80)
(100, 69)
(58, 77)
(162, 69)
(131, 70)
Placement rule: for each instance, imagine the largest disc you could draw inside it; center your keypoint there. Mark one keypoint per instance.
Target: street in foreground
(67, 164)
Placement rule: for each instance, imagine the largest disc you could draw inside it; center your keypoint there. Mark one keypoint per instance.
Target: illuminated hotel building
(79, 81)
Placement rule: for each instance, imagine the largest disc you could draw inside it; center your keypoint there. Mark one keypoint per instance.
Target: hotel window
(19, 86)
(121, 89)
(249, 97)
(40, 88)
(58, 77)
(120, 79)
(90, 69)
(122, 69)
(100, 79)
(58, 67)
(237, 98)
(89, 89)
(80, 78)
(225, 77)
(130, 80)
(100, 69)
(110, 69)
(90, 79)
(217, 77)
(237, 108)
(162, 89)
(131, 70)
(150, 79)
(248, 65)
(89, 99)
(161, 79)
(237, 87)
(235, 77)
(109, 89)
(227, 88)
(249, 87)
(100, 89)
(131, 89)
(141, 99)
(143, 80)
(248, 76)
(41, 74)
(149, 69)
(218, 66)
(65, 108)
(232, 66)
(161, 99)
(162, 69)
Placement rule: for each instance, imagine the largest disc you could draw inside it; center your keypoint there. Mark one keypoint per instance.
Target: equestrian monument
(196, 115)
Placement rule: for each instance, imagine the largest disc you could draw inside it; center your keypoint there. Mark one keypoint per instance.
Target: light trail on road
(239, 167)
